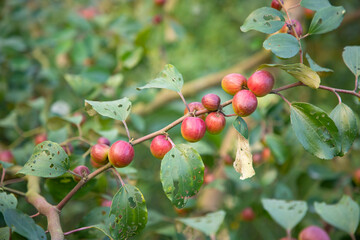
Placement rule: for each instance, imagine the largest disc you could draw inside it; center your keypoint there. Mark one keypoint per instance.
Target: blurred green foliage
(55, 54)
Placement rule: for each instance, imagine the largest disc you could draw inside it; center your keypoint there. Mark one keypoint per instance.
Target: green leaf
(208, 224)
(278, 148)
(286, 213)
(23, 224)
(241, 126)
(321, 172)
(282, 45)
(118, 109)
(7, 201)
(315, 130)
(345, 120)
(351, 56)
(169, 78)
(10, 121)
(314, 66)
(131, 58)
(128, 213)
(5, 233)
(343, 215)
(48, 160)
(265, 20)
(299, 71)
(98, 218)
(80, 85)
(182, 173)
(315, 4)
(55, 123)
(326, 20)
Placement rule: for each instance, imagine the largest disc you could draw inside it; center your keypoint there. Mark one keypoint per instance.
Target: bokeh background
(56, 54)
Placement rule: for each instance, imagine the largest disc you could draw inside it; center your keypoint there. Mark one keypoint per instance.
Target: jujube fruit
(99, 153)
(121, 154)
(160, 2)
(233, 83)
(313, 233)
(82, 171)
(261, 83)
(276, 5)
(244, 103)
(297, 26)
(40, 138)
(356, 176)
(103, 140)
(195, 106)
(211, 101)
(159, 146)
(193, 129)
(215, 122)
(95, 164)
(247, 214)
(6, 156)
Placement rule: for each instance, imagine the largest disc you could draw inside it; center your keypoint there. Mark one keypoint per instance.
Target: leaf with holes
(315, 5)
(208, 224)
(182, 173)
(282, 45)
(169, 78)
(7, 201)
(314, 66)
(55, 123)
(351, 56)
(5, 233)
(24, 225)
(326, 20)
(48, 160)
(299, 71)
(315, 130)
(286, 213)
(241, 126)
(118, 109)
(265, 20)
(343, 215)
(128, 213)
(345, 120)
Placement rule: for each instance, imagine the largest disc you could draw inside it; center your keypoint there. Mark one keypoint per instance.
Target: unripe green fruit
(82, 171)
(244, 103)
(233, 83)
(99, 153)
(261, 83)
(215, 122)
(196, 106)
(121, 154)
(193, 129)
(160, 145)
(313, 233)
(211, 101)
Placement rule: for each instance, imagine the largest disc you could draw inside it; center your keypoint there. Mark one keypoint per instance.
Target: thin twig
(75, 174)
(35, 215)
(76, 230)
(183, 99)
(282, 96)
(356, 83)
(127, 130)
(2, 176)
(13, 191)
(11, 181)
(118, 175)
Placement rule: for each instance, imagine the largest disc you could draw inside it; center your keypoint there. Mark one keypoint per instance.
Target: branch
(193, 87)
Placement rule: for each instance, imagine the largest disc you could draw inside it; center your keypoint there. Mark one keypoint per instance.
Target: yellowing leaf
(243, 159)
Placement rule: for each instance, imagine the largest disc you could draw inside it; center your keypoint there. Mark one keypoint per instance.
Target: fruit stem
(35, 215)
(288, 234)
(230, 115)
(183, 99)
(75, 174)
(2, 176)
(293, 29)
(172, 143)
(127, 130)
(76, 230)
(118, 175)
(352, 236)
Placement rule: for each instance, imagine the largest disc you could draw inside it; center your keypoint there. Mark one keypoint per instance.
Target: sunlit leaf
(282, 45)
(326, 20)
(118, 109)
